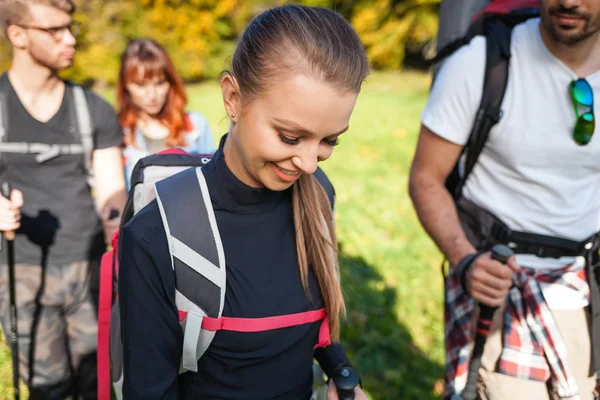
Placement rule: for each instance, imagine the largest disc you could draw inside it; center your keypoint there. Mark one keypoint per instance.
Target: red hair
(144, 59)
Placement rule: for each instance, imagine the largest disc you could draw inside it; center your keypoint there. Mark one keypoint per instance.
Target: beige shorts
(574, 326)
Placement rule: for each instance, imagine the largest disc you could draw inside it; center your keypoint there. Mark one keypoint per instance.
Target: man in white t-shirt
(535, 178)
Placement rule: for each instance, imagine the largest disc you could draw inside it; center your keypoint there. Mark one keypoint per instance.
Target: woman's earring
(232, 115)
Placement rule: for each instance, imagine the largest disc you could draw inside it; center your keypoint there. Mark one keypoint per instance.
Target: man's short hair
(15, 11)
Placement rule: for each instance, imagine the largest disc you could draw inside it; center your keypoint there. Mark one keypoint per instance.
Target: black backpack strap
(448, 50)
(489, 112)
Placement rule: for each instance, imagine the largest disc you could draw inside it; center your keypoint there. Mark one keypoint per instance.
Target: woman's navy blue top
(257, 231)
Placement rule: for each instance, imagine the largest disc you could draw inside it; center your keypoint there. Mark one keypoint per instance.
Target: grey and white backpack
(175, 179)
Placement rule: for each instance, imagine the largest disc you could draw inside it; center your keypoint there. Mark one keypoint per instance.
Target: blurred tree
(200, 35)
(101, 41)
(390, 27)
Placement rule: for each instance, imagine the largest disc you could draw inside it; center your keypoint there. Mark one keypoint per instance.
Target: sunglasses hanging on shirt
(583, 97)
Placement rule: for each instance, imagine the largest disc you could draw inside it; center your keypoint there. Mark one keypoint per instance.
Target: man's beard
(568, 35)
(41, 57)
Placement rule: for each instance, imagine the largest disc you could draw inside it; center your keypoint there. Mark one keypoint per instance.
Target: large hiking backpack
(494, 20)
(146, 173)
(198, 260)
(82, 123)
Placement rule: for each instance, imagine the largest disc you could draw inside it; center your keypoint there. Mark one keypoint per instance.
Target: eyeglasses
(57, 32)
(582, 95)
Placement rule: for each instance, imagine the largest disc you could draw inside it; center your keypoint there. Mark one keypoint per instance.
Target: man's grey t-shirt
(59, 222)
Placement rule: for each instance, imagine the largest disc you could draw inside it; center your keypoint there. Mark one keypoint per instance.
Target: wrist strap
(463, 267)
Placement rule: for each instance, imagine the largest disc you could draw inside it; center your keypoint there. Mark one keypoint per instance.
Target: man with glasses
(59, 141)
(535, 188)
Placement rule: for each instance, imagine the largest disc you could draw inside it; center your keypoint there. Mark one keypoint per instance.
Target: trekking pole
(500, 253)
(345, 382)
(13, 338)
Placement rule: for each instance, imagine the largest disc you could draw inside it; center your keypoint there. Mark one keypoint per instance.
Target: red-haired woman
(152, 100)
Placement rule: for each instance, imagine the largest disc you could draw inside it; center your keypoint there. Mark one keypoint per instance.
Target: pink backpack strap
(109, 261)
(324, 334)
(268, 323)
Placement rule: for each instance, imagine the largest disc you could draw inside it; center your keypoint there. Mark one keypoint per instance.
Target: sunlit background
(391, 275)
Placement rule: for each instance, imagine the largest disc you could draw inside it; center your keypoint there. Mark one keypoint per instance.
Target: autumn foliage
(200, 35)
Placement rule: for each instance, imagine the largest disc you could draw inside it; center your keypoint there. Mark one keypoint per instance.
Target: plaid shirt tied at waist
(532, 345)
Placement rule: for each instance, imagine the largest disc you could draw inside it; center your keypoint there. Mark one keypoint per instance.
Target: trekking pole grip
(6, 191)
(500, 253)
(345, 380)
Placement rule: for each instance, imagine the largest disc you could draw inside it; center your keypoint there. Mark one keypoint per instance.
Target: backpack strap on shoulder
(45, 152)
(3, 118)
(489, 112)
(197, 257)
(84, 124)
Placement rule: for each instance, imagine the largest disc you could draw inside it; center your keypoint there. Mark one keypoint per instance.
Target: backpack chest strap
(267, 323)
(44, 151)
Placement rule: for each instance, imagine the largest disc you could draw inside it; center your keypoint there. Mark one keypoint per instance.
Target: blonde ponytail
(316, 244)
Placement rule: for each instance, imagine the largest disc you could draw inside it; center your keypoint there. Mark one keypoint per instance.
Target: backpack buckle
(540, 251)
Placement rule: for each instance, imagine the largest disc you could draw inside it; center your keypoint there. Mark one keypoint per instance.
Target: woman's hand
(332, 392)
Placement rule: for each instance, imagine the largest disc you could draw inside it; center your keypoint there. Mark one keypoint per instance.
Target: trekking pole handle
(6, 191)
(346, 380)
(500, 253)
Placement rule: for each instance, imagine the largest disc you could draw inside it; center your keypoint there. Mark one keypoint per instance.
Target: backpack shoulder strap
(3, 116)
(84, 124)
(489, 112)
(197, 256)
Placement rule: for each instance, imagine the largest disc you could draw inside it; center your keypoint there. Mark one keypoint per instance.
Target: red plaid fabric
(533, 347)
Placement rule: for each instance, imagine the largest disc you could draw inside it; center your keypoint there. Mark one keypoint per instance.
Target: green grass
(390, 269)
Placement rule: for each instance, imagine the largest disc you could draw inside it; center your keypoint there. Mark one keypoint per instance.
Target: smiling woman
(292, 125)
(292, 88)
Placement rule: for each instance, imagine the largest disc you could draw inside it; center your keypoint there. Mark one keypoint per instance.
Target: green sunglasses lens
(584, 128)
(582, 92)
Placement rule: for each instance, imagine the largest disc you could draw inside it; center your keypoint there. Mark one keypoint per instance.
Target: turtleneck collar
(229, 192)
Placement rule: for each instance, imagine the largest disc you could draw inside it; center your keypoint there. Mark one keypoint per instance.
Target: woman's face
(285, 131)
(149, 95)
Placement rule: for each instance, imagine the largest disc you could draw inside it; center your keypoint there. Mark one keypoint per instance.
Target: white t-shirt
(531, 173)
